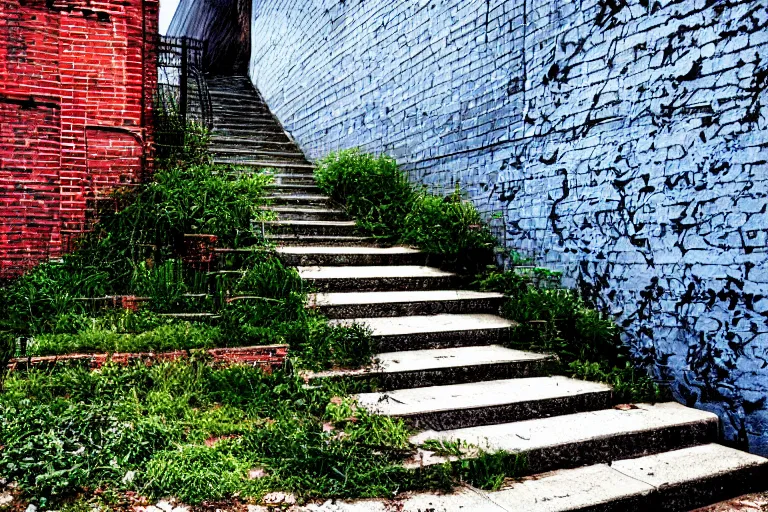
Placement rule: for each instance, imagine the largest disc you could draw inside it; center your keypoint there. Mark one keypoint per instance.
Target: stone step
(573, 440)
(296, 213)
(439, 367)
(312, 227)
(253, 133)
(488, 402)
(294, 179)
(375, 278)
(230, 140)
(434, 331)
(315, 200)
(221, 150)
(270, 164)
(409, 303)
(322, 241)
(354, 256)
(294, 189)
(672, 481)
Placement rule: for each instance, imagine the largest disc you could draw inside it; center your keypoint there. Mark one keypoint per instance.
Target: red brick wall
(76, 85)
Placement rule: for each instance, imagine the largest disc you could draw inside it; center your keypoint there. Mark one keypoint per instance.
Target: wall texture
(76, 85)
(224, 24)
(625, 142)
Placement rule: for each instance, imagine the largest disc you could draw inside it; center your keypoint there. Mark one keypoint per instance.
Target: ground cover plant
(199, 433)
(385, 205)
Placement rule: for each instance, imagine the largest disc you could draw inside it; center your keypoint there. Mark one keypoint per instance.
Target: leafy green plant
(449, 226)
(179, 142)
(386, 205)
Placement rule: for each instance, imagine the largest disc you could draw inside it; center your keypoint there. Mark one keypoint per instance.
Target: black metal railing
(182, 88)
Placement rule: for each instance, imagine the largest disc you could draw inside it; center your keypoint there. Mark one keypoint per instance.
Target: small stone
(279, 498)
(256, 473)
(129, 476)
(257, 508)
(164, 506)
(6, 499)
(31, 508)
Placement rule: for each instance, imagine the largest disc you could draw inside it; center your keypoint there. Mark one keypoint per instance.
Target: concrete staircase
(443, 365)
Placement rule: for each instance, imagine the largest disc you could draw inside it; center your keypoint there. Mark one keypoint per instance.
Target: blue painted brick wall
(624, 142)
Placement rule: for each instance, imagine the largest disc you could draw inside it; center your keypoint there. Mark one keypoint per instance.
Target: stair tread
(540, 433)
(405, 325)
(298, 197)
(350, 298)
(476, 395)
(412, 360)
(348, 250)
(338, 223)
(289, 209)
(374, 271)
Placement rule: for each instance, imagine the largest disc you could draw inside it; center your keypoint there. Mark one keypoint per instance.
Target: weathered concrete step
(439, 367)
(323, 241)
(488, 402)
(573, 440)
(294, 189)
(235, 141)
(673, 481)
(255, 146)
(354, 256)
(294, 179)
(299, 200)
(435, 331)
(270, 164)
(408, 303)
(226, 150)
(374, 278)
(312, 227)
(296, 213)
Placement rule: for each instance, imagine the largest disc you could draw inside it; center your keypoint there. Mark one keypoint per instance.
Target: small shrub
(451, 227)
(386, 205)
(372, 188)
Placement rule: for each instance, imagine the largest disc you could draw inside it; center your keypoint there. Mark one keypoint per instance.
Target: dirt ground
(747, 503)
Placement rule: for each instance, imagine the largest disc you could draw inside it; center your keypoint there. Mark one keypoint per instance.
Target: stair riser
(465, 418)
(255, 159)
(435, 340)
(411, 308)
(258, 147)
(326, 242)
(622, 446)
(295, 179)
(302, 190)
(264, 163)
(384, 284)
(463, 375)
(704, 492)
(313, 230)
(355, 260)
(311, 216)
(252, 133)
(300, 201)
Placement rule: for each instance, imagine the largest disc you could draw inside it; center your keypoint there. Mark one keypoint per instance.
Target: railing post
(183, 80)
